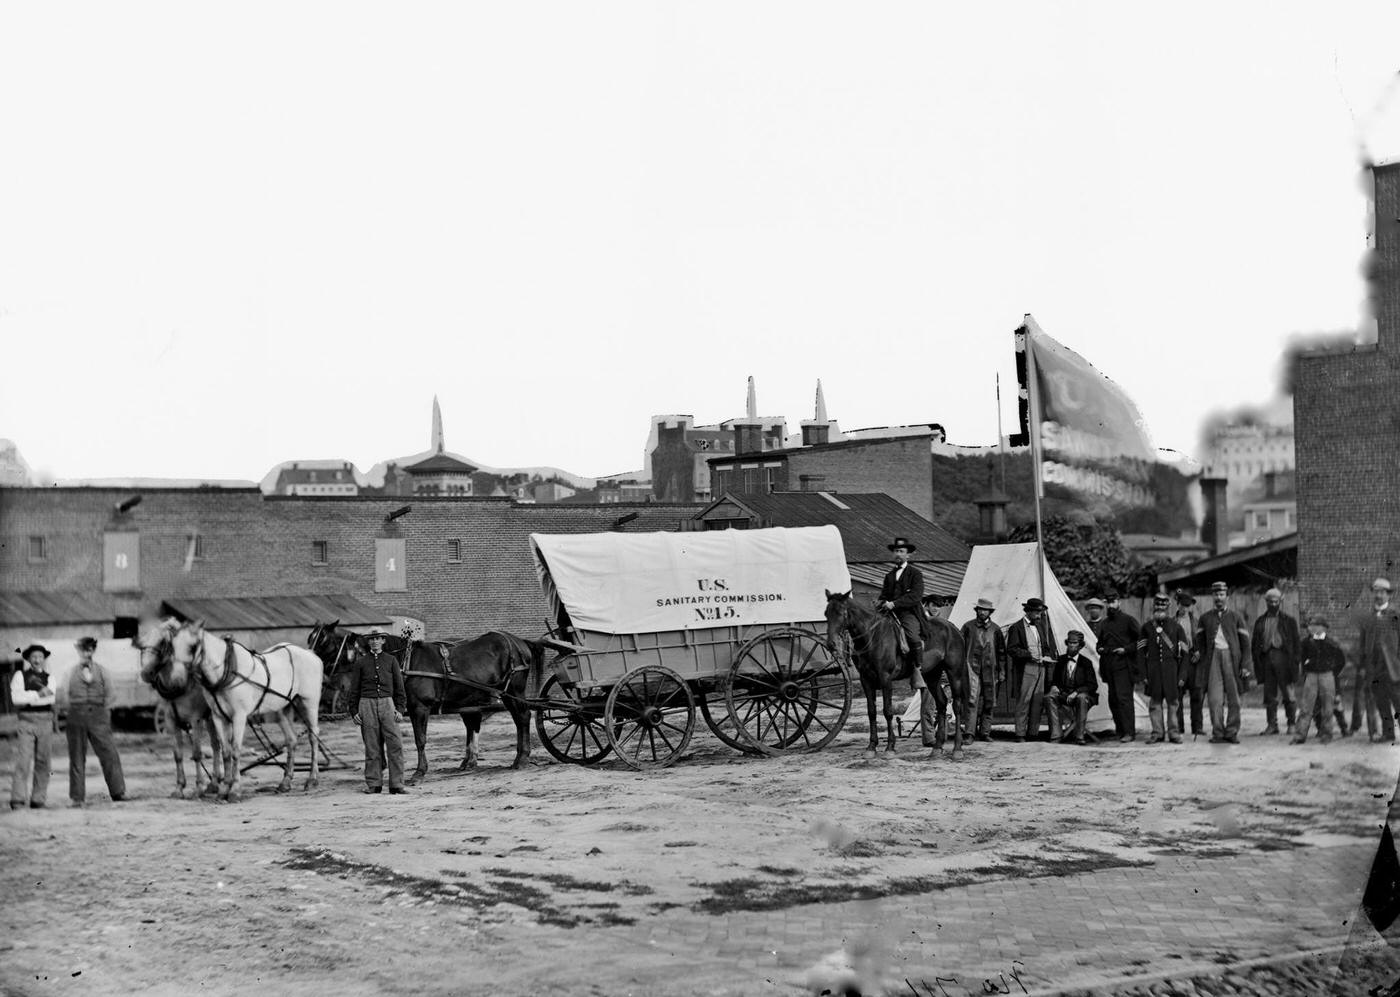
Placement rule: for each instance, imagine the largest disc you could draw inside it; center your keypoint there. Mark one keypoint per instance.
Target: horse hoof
(413, 779)
(283, 787)
(310, 785)
(179, 794)
(957, 754)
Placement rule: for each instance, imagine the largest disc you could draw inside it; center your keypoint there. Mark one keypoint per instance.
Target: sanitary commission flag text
(1092, 438)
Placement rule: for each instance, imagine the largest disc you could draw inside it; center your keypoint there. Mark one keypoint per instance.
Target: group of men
(1176, 656)
(88, 693)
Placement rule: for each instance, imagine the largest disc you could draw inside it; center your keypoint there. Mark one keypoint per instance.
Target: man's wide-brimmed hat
(1033, 603)
(1273, 594)
(901, 542)
(34, 647)
(985, 603)
(1075, 635)
(1096, 601)
(1317, 620)
(86, 643)
(376, 632)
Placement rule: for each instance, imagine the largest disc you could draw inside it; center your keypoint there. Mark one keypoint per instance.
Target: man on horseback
(377, 702)
(902, 595)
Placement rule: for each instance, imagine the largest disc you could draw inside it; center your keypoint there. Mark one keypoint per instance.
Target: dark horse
(466, 677)
(875, 642)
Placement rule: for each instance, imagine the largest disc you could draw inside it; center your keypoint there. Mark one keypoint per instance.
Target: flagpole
(1033, 425)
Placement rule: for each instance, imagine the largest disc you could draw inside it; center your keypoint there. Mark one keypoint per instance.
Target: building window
(454, 551)
(196, 547)
(1288, 518)
(320, 550)
(38, 549)
(1261, 520)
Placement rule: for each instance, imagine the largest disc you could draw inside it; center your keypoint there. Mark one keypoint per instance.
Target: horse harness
(446, 675)
(231, 674)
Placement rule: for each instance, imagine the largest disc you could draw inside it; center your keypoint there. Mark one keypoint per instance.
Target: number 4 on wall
(390, 568)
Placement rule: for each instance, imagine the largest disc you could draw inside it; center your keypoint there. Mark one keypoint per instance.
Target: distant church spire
(439, 446)
(751, 409)
(820, 414)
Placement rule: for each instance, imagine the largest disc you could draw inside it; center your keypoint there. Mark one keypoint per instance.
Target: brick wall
(901, 468)
(1347, 418)
(256, 546)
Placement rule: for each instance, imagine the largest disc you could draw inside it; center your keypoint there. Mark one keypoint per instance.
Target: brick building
(461, 566)
(901, 467)
(1347, 413)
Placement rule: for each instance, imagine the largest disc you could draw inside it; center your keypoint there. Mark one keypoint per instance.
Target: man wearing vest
(1221, 660)
(1030, 644)
(986, 665)
(1380, 656)
(1275, 646)
(377, 703)
(90, 693)
(32, 692)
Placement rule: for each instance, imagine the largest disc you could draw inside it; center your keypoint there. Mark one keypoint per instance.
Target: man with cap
(1186, 619)
(1074, 688)
(1380, 656)
(986, 665)
(1321, 660)
(377, 702)
(32, 693)
(1165, 654)
(1221, 659)
(1275, 647)
(1030, 644)
(1116, 636)
(902, 594)
(90, 694)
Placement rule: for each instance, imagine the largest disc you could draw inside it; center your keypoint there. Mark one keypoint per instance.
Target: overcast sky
(234, 236)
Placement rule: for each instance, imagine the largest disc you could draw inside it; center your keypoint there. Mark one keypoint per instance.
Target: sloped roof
(868, 522)
(274, 612)
(36, 608)
(440, 463)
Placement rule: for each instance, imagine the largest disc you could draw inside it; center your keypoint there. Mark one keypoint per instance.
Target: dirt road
(608, 881)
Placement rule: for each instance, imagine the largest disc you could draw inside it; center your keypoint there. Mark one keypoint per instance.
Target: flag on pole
(1091, 439)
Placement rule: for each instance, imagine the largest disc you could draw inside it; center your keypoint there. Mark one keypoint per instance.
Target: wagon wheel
(649, 717)
(721, 723)
(569, 728)
(787, 693)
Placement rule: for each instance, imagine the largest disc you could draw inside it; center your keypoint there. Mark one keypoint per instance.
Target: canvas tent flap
(1008, 575)
(616, 583)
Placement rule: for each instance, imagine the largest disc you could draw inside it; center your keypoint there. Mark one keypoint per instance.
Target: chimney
(1382, 268)
(748, 436)
(814, 434)
(1215, 528)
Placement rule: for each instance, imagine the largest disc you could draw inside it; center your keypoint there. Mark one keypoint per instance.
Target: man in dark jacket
(1380, 657)
(986, 664)
(1116, 634)
(1164, 651)
(1030, 644)
(1074, 690)
(377, 702)
(1186, 619)
(1221, 662)
(1274, 644)
(902, 594)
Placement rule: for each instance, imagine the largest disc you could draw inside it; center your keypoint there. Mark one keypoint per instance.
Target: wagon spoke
(656, 732)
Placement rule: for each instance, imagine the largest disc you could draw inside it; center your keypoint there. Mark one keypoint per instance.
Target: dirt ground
(555, 879)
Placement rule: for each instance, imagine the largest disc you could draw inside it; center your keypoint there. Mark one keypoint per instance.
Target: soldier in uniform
(1186, 619)
(1221, 660)
(1116, 635)
(377, 702)
(1275, 646)
(1164, 651)
(986, 665)
(32, 693)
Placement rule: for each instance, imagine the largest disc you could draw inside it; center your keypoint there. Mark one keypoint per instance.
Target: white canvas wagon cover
(617, 583)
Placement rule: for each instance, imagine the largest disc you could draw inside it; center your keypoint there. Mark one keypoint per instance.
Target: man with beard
(1275, 647)
(986, 665)
(1116, 635)
(1221, 662)
(1380, 656)
(1164, 651)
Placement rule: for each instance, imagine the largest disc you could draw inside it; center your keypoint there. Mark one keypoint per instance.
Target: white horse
(183, 707)
(240, 683)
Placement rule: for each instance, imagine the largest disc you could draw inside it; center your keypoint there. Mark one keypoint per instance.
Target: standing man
(32, 692)
(377, 702)
(986, 665)
(1030, 644)
(1221, 658)
(1116, 635)
(1321, 660)
(1165, 655)
(1186, 619)
(1275, 647)
(1380, 656)
(902, 594)
(90, 693)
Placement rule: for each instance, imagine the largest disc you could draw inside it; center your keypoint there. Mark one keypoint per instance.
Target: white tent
(1007, 575)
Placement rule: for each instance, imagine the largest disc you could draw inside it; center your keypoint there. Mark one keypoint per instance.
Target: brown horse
(875, 642)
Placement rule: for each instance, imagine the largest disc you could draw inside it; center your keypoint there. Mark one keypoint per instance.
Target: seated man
(1074, 688)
